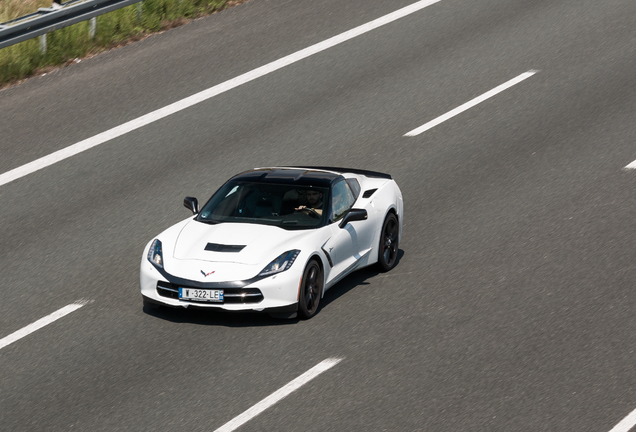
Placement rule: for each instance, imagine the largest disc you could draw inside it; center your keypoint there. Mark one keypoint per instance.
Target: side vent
(328, 256)
(214, 247)
(368, 193)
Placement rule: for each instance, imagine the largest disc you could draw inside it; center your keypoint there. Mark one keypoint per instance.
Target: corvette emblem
(206, 274)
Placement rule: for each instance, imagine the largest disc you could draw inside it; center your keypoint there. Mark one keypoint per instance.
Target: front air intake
(214, 247)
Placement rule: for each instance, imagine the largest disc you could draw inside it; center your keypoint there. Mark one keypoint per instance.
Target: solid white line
(626, 424)
(41, 323)
(470, 104)
(278, 395)
(144, 120)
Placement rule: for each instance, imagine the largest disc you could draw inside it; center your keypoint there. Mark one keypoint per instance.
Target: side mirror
(192, 204)
(353, 215)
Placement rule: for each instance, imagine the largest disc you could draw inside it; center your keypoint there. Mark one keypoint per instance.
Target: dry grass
(114, 29)
(10, 9)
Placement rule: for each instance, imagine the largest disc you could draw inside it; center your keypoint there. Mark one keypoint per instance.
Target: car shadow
(216, 317)
(355, 279)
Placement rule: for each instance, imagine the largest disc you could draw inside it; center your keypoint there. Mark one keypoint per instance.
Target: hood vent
(215, 247)
(368, 193)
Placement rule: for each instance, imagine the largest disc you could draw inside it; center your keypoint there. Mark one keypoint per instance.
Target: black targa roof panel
(366, 173)
(293, 176)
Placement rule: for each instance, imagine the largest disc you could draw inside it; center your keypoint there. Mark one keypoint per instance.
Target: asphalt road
(511, 308)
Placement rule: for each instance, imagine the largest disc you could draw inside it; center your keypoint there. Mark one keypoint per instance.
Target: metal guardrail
(46, 20)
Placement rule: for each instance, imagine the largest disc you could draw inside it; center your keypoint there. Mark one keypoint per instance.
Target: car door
(344, 244)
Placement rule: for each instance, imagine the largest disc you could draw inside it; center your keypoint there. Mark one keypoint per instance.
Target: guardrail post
(43, 44)
(43, 38)
(92, 27)
(62, 13)
(139, 10)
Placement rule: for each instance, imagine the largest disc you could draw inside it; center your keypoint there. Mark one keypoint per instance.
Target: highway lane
(510, 308)
(120, 88)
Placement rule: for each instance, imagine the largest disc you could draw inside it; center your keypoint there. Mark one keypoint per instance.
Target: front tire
(310, 290)
(388, 248)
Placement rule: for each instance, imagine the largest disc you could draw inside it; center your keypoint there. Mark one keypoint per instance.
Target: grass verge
(114, 29)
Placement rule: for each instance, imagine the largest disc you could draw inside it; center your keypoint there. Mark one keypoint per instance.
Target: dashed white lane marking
(626, 424)
(144, 120)
(41, 323)
(631, 166)
(470, 104)
(279, 394)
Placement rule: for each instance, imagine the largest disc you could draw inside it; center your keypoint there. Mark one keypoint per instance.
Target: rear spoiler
(365, 173)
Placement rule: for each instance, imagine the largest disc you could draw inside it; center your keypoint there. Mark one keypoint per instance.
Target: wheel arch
(321, 263)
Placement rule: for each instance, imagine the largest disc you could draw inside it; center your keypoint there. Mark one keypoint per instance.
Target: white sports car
(274, 240)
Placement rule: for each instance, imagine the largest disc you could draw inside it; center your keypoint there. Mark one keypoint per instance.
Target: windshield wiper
(207, 221)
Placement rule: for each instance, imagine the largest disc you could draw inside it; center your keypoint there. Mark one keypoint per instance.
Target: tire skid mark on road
(42, 322)
(279, 395)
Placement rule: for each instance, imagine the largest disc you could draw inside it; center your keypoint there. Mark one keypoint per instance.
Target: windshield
(285, 206)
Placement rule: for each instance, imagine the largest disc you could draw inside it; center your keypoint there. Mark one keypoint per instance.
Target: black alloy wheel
(310, 290)
(388, 249)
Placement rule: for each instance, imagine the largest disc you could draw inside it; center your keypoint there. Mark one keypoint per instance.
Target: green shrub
(19, 61)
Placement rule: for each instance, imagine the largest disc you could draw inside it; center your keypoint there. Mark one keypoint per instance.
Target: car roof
(289, 175)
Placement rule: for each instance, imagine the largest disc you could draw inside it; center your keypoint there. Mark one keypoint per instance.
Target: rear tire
(388, 248)
(310, 290)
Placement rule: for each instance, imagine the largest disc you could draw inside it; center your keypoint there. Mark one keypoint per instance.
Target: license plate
(201, 294)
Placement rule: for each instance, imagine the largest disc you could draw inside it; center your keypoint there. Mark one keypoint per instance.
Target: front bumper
(273, 294)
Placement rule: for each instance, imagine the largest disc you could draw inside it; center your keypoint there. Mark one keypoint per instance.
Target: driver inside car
(314, 202)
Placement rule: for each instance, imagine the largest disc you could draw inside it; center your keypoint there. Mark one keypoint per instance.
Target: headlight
(155, 254)
(283, 262)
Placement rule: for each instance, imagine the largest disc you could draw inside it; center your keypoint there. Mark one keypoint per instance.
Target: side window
(342, 200)
(355, 187)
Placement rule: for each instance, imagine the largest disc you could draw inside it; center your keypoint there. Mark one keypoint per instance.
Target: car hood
(233, 242)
